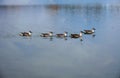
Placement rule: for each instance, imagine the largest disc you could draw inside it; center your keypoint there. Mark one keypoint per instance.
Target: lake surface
(37, 57)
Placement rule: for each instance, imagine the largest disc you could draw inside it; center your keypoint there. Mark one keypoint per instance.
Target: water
(36, 57)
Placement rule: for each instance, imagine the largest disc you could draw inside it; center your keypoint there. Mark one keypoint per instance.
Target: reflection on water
(95, 56)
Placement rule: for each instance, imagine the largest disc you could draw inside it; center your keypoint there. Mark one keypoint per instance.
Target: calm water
(36, 57)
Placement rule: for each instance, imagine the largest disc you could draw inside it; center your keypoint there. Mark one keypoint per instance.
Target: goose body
(49, 34)
(62, 35)
(26, 33)
(76, 35)
(89, 31)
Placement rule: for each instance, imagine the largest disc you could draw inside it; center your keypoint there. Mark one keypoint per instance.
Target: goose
(49, 34)
(62, 35)
(26, 33)
(76, 35)
(89, 31)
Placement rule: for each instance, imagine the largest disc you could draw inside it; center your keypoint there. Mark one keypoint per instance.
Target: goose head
(30, 31)
(93, 30)
(51, 33)
(65, 33)
(81, 33)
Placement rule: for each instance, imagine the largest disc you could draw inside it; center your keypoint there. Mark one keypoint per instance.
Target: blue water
(37, 57)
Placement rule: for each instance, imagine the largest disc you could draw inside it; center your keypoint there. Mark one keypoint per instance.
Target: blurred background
(37, 57)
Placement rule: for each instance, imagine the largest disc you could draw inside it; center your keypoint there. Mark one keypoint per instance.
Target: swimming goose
(49, 34)
(76, 35)
(26, 33)
(62, 35)
(89, 31)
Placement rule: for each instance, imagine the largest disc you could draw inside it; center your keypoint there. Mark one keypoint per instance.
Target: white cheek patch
(50, 34)
(93, 30)
(29, 33)
(80, 34)
(65, 34)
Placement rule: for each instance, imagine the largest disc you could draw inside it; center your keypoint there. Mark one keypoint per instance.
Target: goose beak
(82, 31)
(30, 31)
